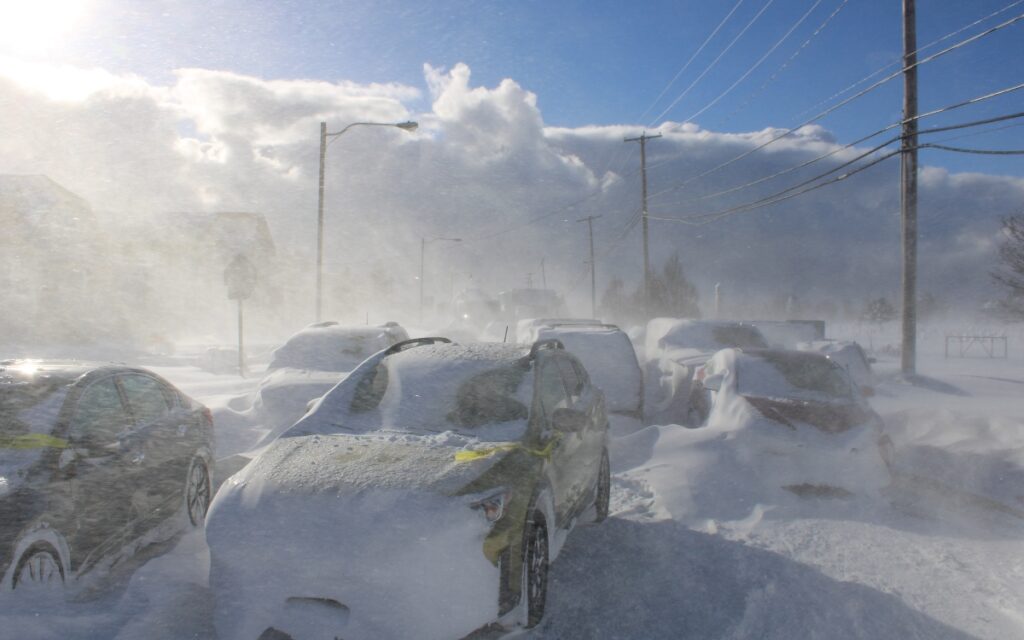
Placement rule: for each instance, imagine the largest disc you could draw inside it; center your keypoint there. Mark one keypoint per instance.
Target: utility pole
(320, 224)
(908, 189)
(543, 275)
(643, 173)
(593, 269)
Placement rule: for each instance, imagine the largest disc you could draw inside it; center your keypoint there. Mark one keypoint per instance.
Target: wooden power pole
(593, 268)
(643, 176)
(908, 189)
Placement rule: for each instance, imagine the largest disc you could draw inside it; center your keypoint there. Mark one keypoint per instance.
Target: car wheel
(535, 569)
(39, 568)
(197, 491)
(604, 489)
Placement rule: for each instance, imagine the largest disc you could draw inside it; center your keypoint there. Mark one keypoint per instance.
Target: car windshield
(791, 375)
(436, 395)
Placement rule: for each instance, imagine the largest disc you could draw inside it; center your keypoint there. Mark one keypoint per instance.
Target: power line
(793, 57)
(958, 105)
(714, 62)
(840, 105)
(757, 64)
(919, 50)
(798, 189)
(989, 152)
(692, 58)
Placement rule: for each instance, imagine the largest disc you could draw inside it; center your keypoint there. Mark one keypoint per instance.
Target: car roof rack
(541, 345)
(413, 343)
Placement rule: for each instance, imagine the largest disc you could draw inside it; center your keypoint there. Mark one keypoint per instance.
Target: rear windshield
(786, 375)
(739, 337)
(30, 407)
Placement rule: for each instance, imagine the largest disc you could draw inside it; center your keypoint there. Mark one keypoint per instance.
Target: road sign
(240, 277)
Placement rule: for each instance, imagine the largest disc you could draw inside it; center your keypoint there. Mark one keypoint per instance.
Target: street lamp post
(324, 135)
(423, 252)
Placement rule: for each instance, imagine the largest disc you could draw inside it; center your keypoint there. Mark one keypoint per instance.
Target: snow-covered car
(850, 356)
(424, 497)
(312, 361)
(93, 459)
(674, 350)
(825, 439)
(608, 355)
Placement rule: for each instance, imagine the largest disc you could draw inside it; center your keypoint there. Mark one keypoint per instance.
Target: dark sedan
(92, 458)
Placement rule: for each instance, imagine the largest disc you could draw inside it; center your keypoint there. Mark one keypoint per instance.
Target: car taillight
(208, 416)
(699, 374)
(493, 507)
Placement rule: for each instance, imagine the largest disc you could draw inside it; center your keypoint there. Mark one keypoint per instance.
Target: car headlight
(493, 506)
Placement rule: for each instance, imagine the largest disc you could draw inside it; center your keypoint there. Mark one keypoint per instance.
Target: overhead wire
(757, 64)
(791, 58)
(840, 105)
(798, 189)
(714, 62)
(916, 52)
(693, 57)
(958, 105)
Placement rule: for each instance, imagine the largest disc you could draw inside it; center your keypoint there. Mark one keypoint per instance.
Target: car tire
(197, 491)
(39, 566)
(603, 491)
(535, 569)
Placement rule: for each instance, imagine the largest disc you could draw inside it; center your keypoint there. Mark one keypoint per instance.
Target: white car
(311, 362)
(608, 355)
(423, 497)
(817, 434)
(675, 348)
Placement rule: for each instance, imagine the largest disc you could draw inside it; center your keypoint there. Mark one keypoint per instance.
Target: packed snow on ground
(939, 553)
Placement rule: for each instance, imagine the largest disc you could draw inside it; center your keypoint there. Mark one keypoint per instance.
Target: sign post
(240, 278)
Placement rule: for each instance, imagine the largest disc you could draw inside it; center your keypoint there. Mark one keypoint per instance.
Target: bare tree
(1009, 274)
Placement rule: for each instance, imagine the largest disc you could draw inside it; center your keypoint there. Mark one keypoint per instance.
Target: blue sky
(594, 62)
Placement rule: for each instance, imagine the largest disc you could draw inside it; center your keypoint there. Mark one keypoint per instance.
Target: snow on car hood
(349, 463)
(368, 521)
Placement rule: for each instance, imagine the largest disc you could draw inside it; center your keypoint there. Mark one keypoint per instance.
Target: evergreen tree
(879, 310)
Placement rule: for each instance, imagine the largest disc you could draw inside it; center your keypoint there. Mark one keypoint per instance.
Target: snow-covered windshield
(782, 374)
(436, 395)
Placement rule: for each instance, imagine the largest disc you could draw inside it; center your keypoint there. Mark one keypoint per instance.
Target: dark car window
(489, 398)
(100, 416)
(147, 398)
(740, 337)
(552, 389)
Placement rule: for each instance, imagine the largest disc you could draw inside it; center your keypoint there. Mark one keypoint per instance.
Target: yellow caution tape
(467, 455)
(32, 441)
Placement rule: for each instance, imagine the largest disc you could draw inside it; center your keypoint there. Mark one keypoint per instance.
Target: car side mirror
(713, 382)
(569, 420)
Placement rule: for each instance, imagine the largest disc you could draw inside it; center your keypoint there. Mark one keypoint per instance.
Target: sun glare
(36, 26)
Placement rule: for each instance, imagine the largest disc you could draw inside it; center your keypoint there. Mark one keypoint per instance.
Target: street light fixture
(324, 135)
(423, 251)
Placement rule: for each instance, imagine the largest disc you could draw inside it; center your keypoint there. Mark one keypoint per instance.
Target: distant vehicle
(424, 497)
(675, 348)
(850, 356)
(818, 420)
(517, 304)
(475, 308)
(311, 362)
(93, 458)
(606, 352)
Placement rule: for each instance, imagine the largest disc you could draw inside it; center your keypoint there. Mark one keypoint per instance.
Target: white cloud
(482, 163)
